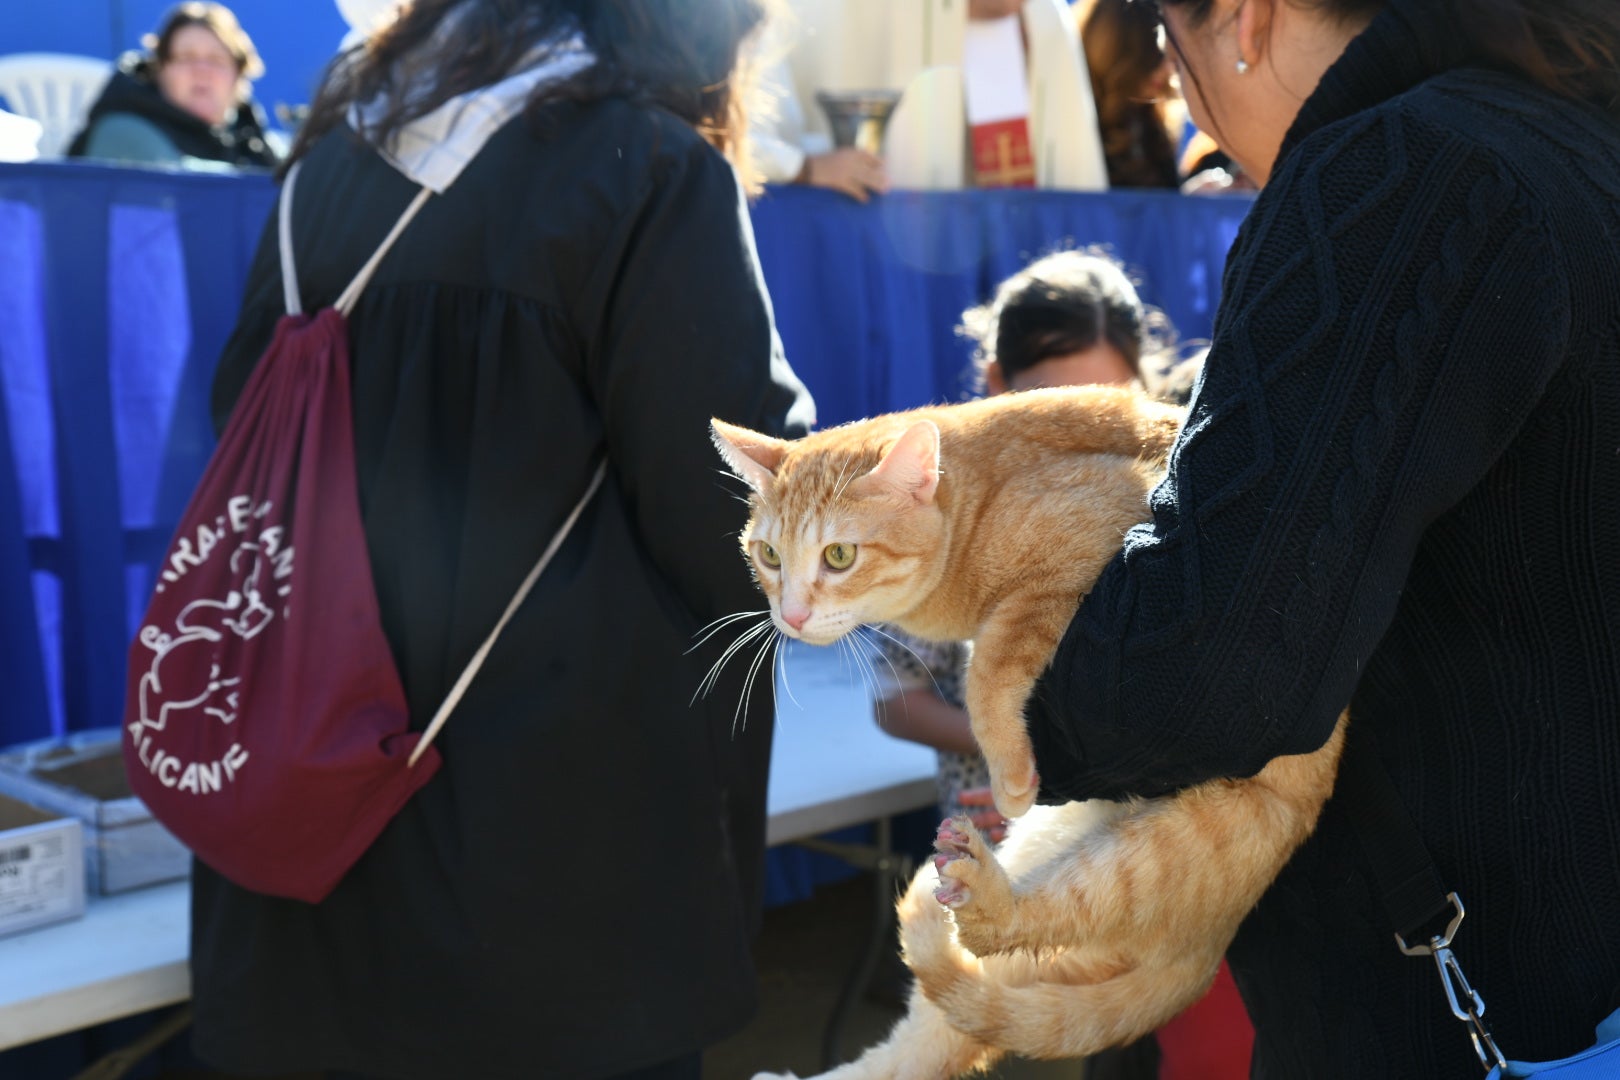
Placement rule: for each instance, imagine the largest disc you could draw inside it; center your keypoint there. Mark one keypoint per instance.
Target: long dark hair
(1122, 45)
(1571, 47)
(684, 56)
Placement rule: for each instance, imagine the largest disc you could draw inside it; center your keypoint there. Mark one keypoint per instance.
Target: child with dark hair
(1070, 318)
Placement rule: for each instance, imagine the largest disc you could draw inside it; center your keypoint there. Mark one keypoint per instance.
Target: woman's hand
(849, 169)
(993, 9)
(986, 820)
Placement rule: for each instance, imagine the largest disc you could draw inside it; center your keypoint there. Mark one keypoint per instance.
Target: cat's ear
(911, 466)
(752, 456)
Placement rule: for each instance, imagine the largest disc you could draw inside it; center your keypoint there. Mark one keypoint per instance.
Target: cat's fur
(1094, 922)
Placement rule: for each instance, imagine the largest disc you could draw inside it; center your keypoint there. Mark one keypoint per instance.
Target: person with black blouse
(573, 894)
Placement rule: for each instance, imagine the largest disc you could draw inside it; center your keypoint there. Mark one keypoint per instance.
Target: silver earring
(1242, 67)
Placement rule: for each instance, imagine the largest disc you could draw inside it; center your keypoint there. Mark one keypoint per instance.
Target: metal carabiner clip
(1469, 1007)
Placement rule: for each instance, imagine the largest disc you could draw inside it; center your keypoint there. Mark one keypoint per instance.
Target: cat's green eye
(839, 556)
(768, 555)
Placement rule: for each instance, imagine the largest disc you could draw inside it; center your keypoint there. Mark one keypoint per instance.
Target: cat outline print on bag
(191, 630)
(202, 627)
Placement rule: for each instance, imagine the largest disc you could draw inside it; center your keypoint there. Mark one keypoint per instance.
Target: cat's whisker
(733, 649)
(779, 663)
(881, 655)
(843, 481)
(713, 675)
(851, 644)
(748, 683)
(715, 627)
(730, 487)
(872, 650)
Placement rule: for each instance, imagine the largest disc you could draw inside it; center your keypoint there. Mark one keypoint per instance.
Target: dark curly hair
(1123, 49)
(684, 56)
(1571, 47)
(1062, 303)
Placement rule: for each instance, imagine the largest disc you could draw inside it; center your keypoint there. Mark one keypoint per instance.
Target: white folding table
(831, 767)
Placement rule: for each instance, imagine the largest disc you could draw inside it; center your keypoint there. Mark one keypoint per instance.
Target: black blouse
(572, 895)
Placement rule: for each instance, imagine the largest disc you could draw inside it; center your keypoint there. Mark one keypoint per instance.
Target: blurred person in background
(185, 100)
(1133, 82)
(811, 45)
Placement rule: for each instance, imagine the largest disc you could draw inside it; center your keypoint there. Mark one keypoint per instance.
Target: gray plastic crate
(82, 776)
(41, 867)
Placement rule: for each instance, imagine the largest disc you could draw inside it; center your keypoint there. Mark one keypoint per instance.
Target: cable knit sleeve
(1393, 309)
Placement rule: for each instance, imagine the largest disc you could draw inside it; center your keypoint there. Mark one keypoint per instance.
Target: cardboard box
(41, 867)
(82, 776)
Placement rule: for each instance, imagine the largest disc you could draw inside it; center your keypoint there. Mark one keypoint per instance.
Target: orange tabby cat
(1095, 922)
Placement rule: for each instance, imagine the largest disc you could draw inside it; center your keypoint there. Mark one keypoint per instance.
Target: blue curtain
(119, 287)
(868, 297)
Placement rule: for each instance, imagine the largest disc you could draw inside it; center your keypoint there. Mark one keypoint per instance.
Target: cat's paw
(973, 885)
(775, 1076)
(1014, 789)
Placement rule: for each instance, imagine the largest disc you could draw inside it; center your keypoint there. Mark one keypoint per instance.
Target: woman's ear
(1252, 26)
(995, 379)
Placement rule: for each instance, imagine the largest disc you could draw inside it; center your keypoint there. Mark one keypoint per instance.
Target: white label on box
(35, 876)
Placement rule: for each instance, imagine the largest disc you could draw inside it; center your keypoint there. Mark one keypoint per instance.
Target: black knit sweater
(1398, 488)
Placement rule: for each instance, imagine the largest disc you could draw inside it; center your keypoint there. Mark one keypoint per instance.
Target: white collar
(433, 149)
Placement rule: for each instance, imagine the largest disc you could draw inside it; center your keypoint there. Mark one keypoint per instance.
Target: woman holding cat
(1397, 489)
(585, 289)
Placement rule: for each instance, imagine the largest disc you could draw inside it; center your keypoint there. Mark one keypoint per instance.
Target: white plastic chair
(56, 89)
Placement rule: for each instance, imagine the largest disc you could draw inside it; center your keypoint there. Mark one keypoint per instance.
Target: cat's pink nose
(796, 619)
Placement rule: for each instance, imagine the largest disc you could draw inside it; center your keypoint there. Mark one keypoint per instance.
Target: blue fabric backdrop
(118, 288)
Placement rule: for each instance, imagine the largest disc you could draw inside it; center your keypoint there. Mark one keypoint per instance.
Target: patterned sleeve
(1369, 365)
(906, 662)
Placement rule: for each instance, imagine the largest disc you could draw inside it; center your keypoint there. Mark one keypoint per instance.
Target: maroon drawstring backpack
(265, 723)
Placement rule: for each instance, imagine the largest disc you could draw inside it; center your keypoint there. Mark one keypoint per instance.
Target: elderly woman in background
(185, 100)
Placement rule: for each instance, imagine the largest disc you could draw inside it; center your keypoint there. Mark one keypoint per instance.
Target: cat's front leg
(1011, 648)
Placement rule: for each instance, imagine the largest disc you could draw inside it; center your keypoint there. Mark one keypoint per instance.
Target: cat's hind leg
(1147, 874)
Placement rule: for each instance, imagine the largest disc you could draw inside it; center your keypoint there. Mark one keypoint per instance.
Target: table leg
(891, 871)
(113, 1065)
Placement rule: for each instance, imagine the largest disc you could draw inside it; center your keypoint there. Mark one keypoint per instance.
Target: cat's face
(845, 530)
